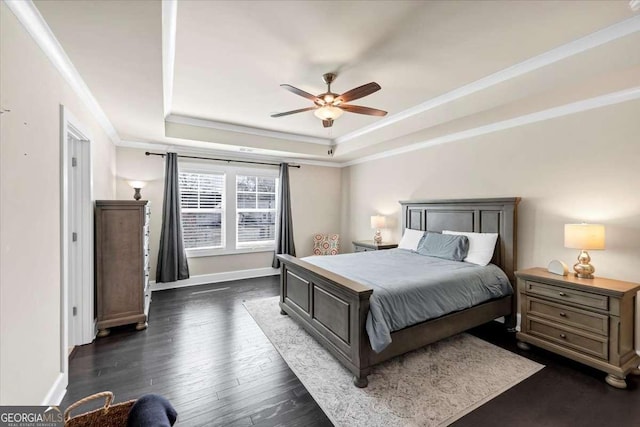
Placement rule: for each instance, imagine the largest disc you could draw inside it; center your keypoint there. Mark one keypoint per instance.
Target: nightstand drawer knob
(563, 336)
(562, 294)
(563, 314)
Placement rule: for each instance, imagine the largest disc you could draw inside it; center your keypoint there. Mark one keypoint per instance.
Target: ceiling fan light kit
(328, 112)
(329, 106)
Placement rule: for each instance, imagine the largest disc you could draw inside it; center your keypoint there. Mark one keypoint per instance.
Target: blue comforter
(409, 288)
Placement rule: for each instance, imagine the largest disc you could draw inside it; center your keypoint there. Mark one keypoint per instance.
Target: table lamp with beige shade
(378, 222)
(584, 237)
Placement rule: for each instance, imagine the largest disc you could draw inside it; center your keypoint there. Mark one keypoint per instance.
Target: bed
(334, 309)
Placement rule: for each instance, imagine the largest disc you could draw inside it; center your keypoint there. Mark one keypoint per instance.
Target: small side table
(370, 245)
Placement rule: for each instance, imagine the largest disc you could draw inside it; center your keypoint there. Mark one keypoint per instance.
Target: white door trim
(70, 125)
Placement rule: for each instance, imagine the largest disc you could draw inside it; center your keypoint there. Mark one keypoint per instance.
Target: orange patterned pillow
(326, 244)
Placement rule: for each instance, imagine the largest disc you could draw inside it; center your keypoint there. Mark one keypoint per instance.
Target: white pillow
(410, 239)
(481, 246)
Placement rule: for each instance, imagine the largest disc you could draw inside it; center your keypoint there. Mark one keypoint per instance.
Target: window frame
(230, 214)
(222, 210)
(256, 244)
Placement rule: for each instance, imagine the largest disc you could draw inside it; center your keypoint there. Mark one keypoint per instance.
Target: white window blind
(202, 206)
(256, 198)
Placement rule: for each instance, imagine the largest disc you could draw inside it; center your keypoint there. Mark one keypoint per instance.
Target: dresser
(587, 320)
(123, 294)
(370, 245)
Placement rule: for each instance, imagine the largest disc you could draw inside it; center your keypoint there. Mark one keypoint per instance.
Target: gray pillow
(446, 246)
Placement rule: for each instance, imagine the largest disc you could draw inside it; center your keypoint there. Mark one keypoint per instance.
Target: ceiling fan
(329, 106)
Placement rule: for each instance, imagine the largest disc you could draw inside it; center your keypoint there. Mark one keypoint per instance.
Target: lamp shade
(378, 221)
(328, 112)
(584, 236)
(137, 184)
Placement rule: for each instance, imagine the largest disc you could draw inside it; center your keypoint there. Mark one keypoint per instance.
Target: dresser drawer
(362, 249)
(572, 296)
(568, 337)
(574, 317)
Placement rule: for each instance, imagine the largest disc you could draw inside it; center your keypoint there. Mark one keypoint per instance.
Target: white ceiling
(231, 57)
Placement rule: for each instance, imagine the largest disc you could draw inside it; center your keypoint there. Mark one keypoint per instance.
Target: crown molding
(169, 18)
(600, 37)
(551, 113)
(186, 120)
(182, 149)
(31, 19)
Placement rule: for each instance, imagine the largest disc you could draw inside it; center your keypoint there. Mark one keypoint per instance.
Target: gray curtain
(284, 223)
(172, 259)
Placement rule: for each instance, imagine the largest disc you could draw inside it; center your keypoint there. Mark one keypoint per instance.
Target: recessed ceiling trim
(182, 149)
(169, 19)
(551, 113)
(600, 37)
(31, 19)
(185, 120)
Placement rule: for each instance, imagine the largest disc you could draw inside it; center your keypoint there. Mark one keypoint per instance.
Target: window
(202, 206)
(227, 209)
(255, 210)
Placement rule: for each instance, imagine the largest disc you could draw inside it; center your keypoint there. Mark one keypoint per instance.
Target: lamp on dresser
(584, 237)
(378, 222)
(137, 186)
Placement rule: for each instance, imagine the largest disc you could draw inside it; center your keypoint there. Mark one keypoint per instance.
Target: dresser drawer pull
(563, 336)
(562, 294)
(563, 314)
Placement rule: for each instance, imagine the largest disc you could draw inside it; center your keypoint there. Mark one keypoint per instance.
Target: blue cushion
(152, 410)
(446, 246)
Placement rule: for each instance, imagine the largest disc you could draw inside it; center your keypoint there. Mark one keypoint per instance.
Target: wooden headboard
(474, 215)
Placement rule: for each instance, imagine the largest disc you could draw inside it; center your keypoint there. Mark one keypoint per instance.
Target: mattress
(409, 288)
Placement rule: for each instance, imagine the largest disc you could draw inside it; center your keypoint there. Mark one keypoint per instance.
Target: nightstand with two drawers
(588, 320)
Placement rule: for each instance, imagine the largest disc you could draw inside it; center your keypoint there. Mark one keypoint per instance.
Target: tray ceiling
(231, 57)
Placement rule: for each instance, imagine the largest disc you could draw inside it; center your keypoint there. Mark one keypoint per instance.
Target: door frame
(71, 126)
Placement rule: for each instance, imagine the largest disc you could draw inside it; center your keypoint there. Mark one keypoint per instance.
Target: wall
(582, 167)
(33, 90)
(315, 194)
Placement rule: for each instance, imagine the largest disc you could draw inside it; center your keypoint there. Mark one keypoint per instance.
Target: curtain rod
(222, 160)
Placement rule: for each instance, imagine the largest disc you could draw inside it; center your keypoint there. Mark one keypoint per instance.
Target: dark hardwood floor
(204, 352)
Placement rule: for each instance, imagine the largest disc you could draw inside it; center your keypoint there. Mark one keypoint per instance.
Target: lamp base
(137, 195)
(583, 268)
(377, 238)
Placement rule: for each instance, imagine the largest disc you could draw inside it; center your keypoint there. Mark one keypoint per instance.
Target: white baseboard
(205, 279)
(57, 391)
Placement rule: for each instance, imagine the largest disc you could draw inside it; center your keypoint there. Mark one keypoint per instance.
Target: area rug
(433, 386)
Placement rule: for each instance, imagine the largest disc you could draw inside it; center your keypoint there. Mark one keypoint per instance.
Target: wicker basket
(107, 416)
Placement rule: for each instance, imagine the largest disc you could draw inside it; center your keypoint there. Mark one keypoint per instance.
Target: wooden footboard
(332, 308)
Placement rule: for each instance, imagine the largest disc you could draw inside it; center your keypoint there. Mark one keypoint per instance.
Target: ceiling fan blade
(300, 92)
(360, 92)
(302, 110)
(363, 110)
(327, 123)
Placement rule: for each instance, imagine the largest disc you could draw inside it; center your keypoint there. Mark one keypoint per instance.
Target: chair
(326, 244)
